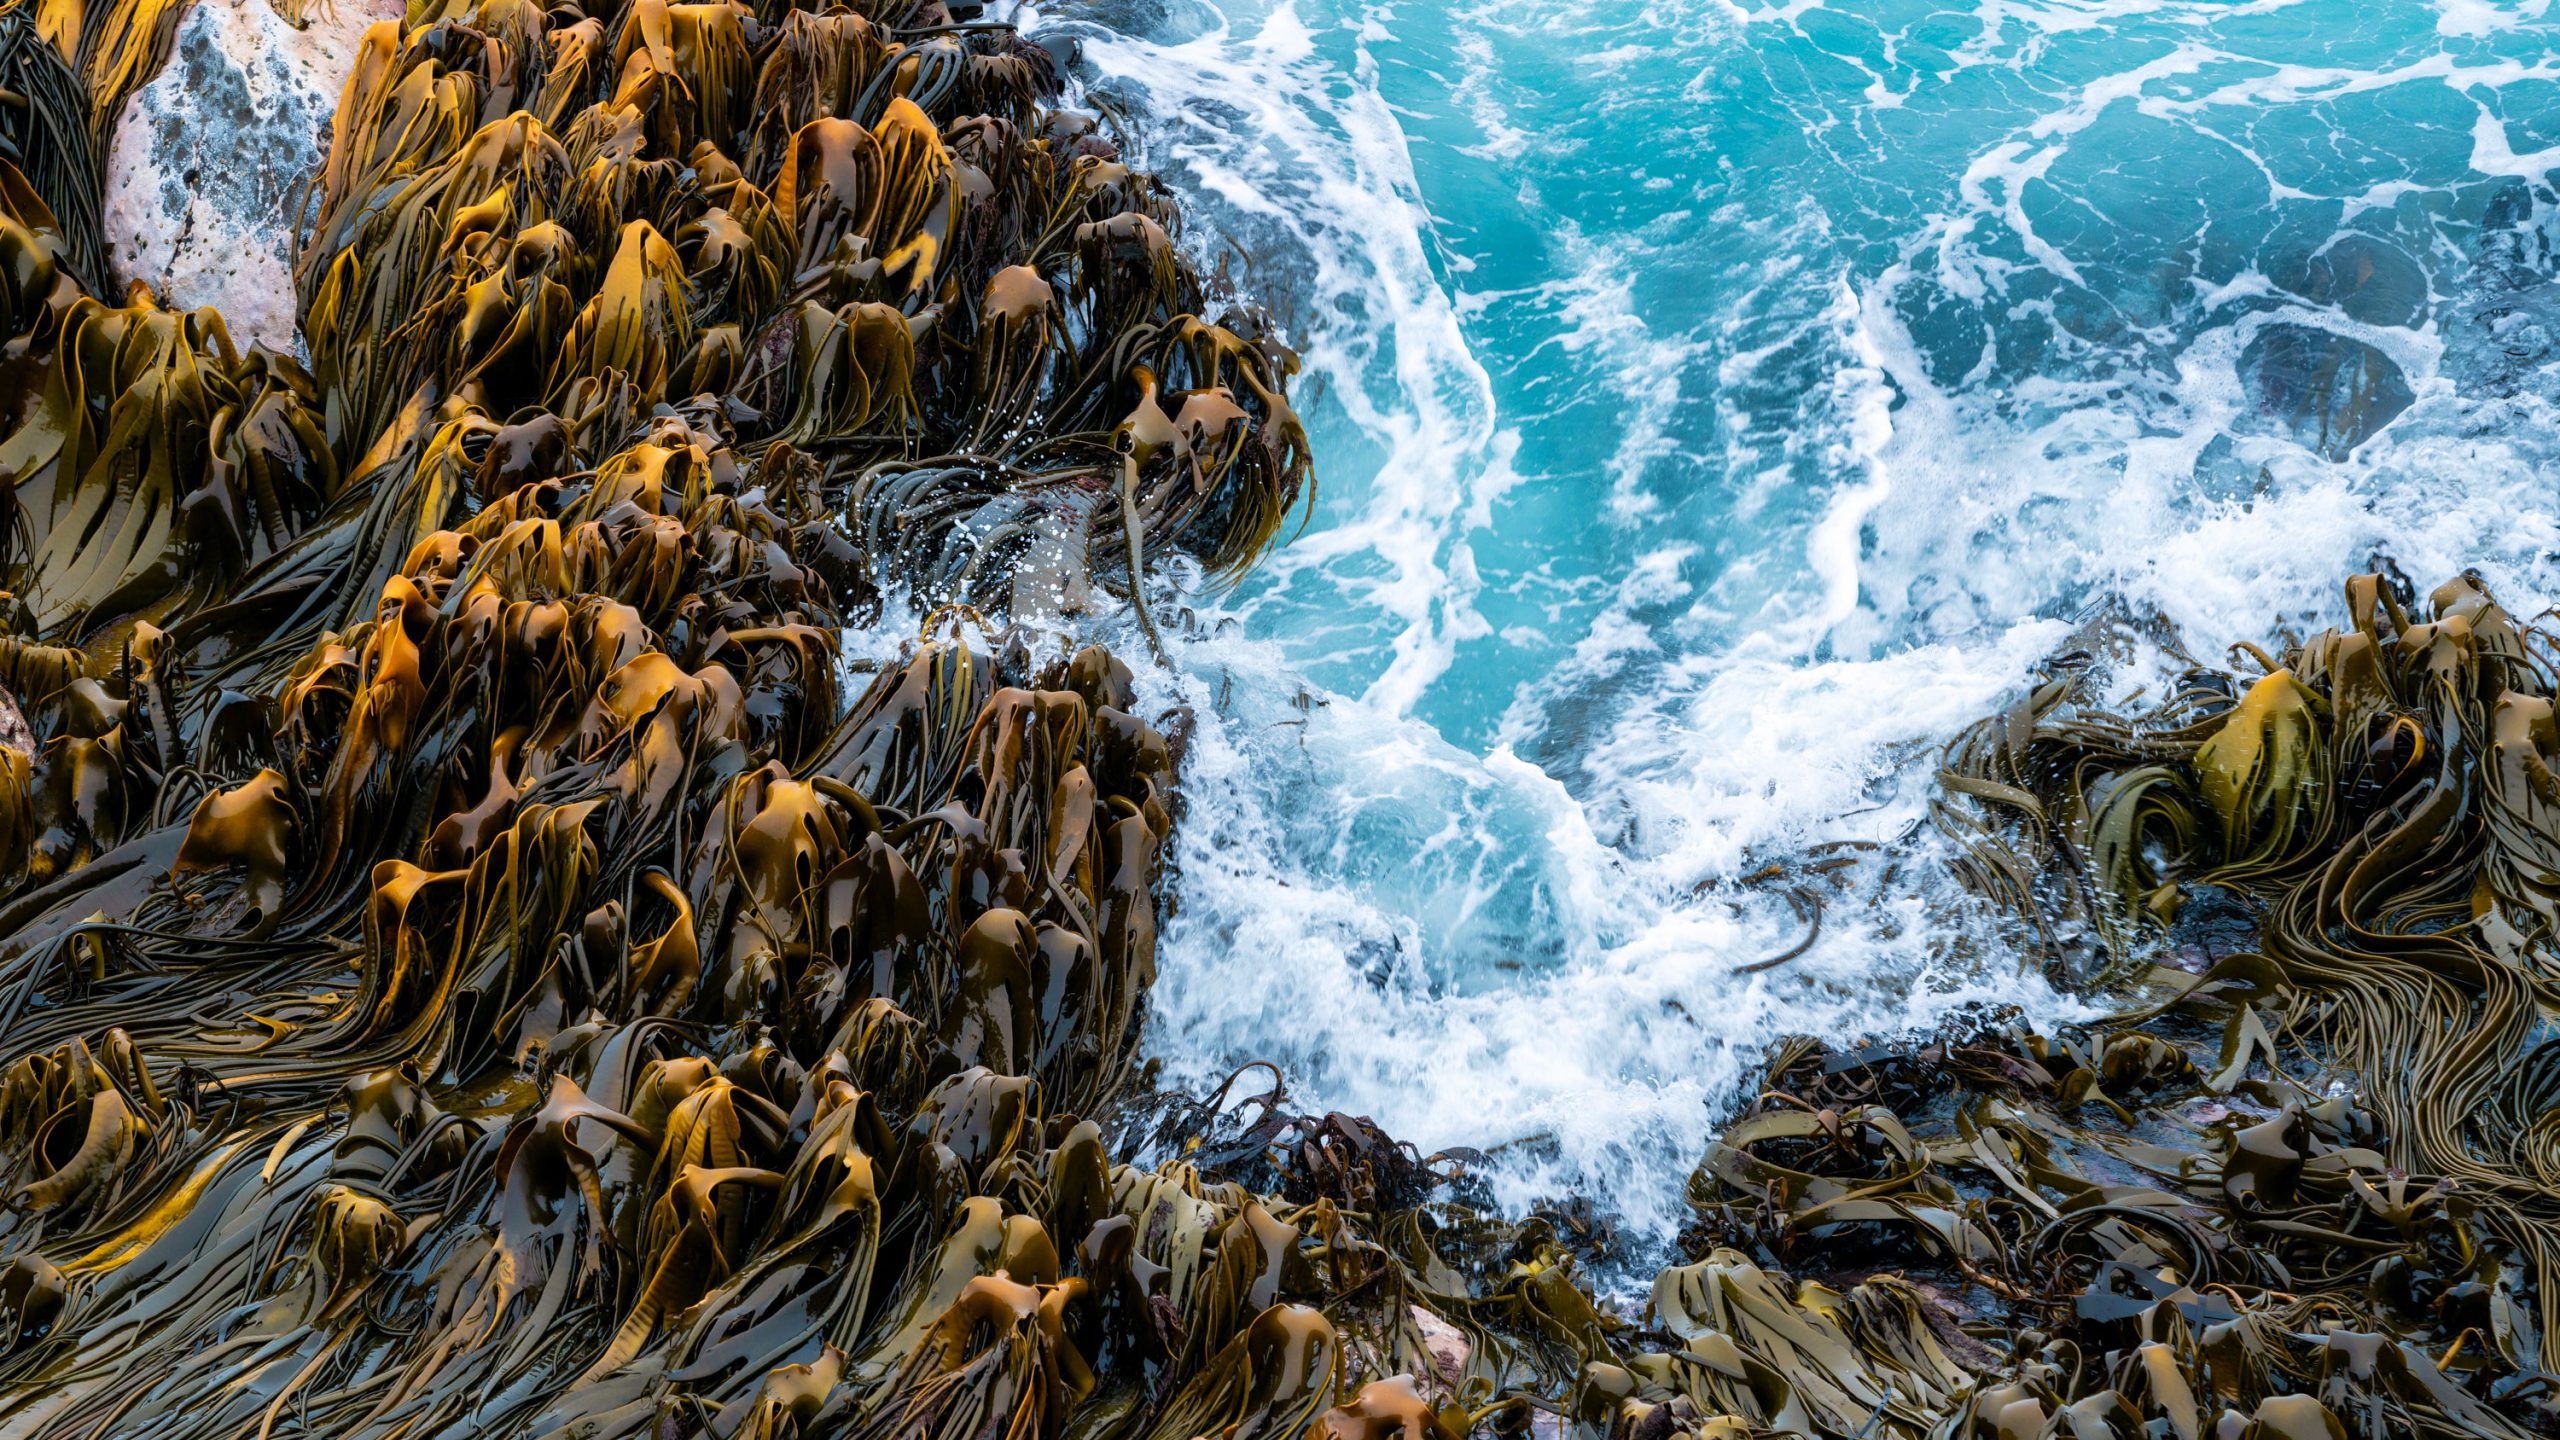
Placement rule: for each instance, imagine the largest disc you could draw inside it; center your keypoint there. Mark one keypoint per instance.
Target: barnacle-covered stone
(209, 160)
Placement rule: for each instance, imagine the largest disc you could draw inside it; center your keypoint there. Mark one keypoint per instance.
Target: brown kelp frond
(868, 245)
(547, 1005)
(878, 245)
(46, 135)
(2165, 1223)
(560, 1011)
(475, 958)
(2301, 1189)
(123, 445)
(117, 45)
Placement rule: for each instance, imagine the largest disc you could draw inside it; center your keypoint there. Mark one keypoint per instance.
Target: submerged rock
(210, 159)
(2503, 349)
(2371, 280)
(2327, 392)
(2222, 472)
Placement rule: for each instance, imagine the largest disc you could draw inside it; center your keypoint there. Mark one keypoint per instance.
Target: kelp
(2297, 1183)
(2298, 1186)
(475, 958)
(67, 68)
(47, 137)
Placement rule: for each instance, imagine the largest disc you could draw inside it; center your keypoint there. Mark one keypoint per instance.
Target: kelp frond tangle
(476, 961)
(2303, 1187)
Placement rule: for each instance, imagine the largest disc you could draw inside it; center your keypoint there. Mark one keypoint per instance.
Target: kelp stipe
(47, 133)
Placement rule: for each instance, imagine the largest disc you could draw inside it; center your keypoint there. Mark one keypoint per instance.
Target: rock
(211, 159)
(14, 730)
(2329, 393)
(2504, 348)
(1447, 1344)
(2370, 280)
(2221, 473)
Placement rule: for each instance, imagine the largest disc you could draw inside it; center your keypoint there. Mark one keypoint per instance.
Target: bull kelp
(2301, 1189)
(479, 961)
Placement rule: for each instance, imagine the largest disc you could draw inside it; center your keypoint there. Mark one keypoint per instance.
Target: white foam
(2473, 18)
(2492, 153)
(1531, 940)
(1597, 1064)
(1317, 157)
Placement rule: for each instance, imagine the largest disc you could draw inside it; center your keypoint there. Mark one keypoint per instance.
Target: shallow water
(1716, 407)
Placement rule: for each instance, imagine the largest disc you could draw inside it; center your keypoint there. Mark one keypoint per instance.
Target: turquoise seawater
(1717, 406)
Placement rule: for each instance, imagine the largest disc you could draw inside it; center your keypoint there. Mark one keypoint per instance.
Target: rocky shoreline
(478, 962)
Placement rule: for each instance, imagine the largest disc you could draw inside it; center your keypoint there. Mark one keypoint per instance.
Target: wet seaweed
(46, 132)
(2296, 1186)
(475, 959)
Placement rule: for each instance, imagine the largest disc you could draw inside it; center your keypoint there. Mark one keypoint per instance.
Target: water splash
(1719, 404)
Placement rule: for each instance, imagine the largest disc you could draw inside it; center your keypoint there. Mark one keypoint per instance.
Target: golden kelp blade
(468, 968)
(475, 960)
(2306, 1188)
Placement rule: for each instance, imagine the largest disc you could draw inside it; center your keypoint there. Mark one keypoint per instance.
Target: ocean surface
(1718, 406)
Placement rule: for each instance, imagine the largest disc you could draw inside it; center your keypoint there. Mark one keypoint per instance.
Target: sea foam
(1718, 408)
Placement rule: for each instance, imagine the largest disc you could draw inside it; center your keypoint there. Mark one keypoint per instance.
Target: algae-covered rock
(212, 157)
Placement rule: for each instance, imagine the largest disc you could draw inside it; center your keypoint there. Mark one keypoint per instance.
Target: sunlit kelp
(470, 966)
(2301, 1187)
(477, 962)
(2307, 1191)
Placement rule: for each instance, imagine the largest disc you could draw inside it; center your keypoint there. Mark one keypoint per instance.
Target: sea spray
(1823, 374)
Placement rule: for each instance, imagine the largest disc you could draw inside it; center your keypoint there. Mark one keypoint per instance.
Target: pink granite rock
(1447, 1344)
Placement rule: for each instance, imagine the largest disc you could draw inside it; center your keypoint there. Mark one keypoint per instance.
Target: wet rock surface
(2371, 280)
